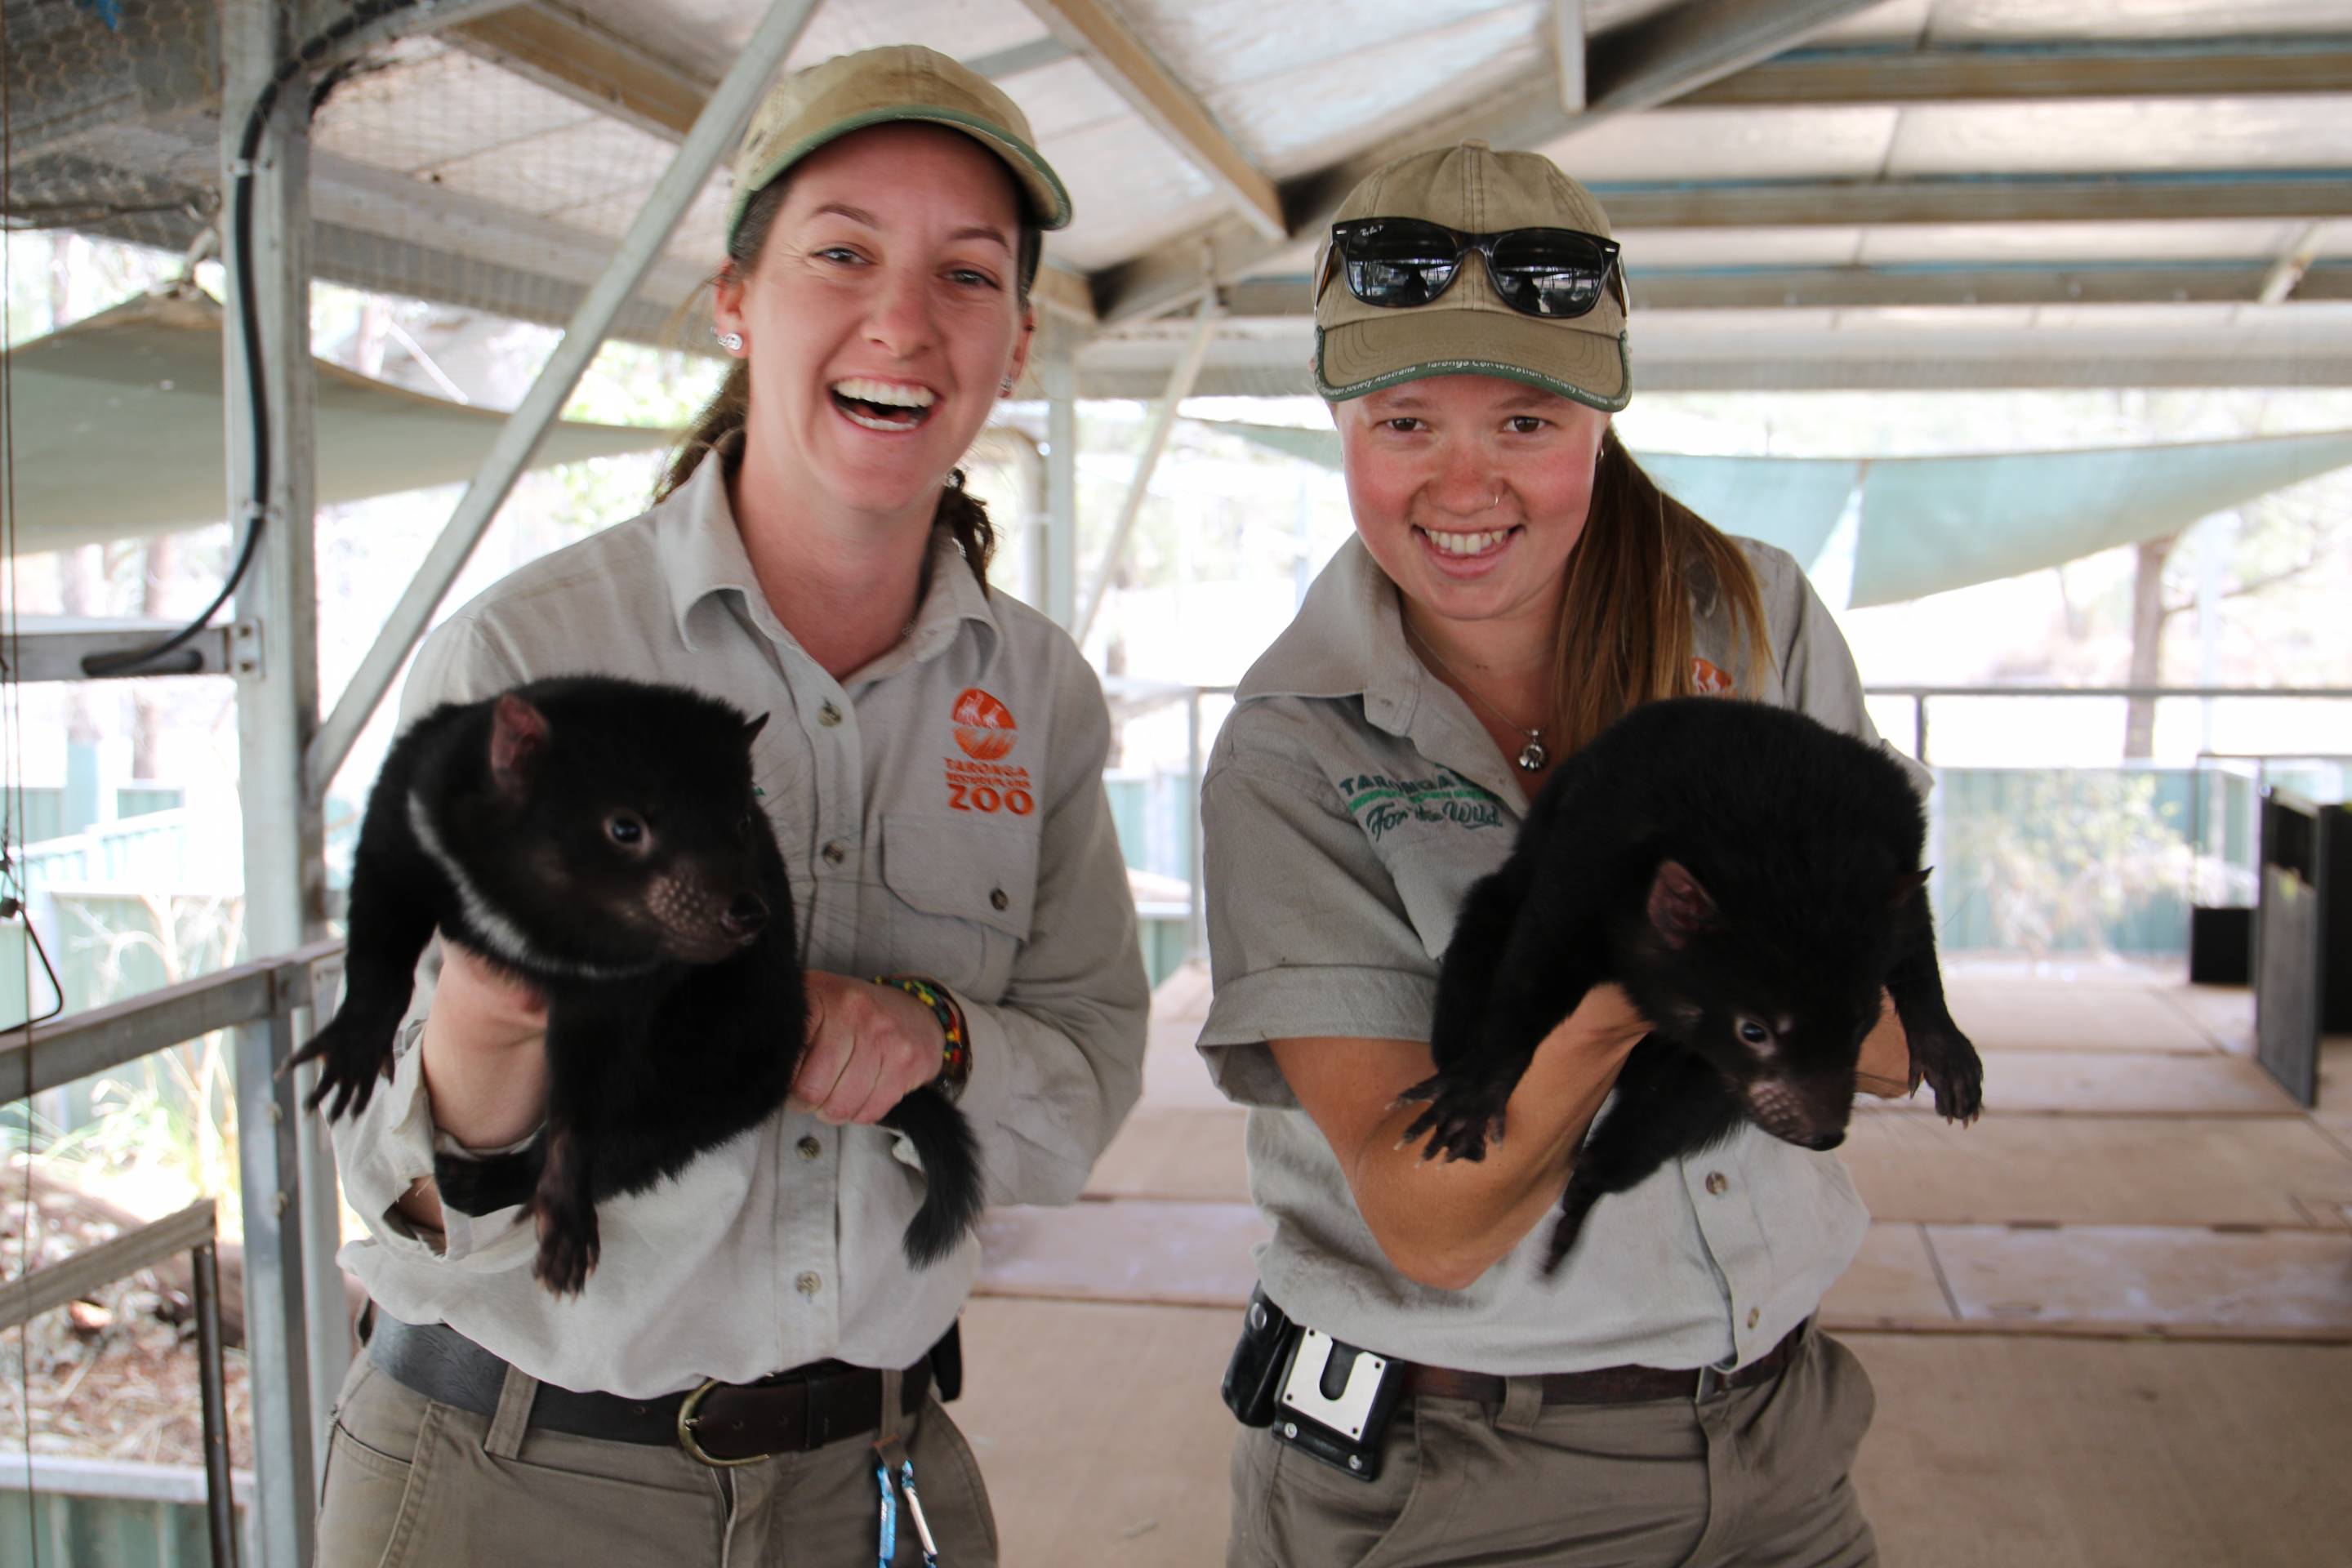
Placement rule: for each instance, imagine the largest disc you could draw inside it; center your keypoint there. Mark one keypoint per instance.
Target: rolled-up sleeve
(384, 1151)
(1057, 1060)
(1308, 933)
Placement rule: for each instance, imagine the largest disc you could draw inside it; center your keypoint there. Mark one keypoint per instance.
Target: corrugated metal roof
(2136, 153)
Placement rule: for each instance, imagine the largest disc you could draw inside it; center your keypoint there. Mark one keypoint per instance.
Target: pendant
(1532, 757)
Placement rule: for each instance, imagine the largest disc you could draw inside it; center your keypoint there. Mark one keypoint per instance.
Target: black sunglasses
(1400, 262)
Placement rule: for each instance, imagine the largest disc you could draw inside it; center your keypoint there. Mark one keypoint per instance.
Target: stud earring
(731, 342)
(1004, 387)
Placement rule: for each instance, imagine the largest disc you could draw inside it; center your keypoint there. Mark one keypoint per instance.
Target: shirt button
(1755, 1314)
(828, 715)
(835, 853)
(997, 899)
(808, 1283)
(1716, 1183)
(810, 1148)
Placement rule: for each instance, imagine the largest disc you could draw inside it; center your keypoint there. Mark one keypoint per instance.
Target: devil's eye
(622, 828)
(1754, 1033)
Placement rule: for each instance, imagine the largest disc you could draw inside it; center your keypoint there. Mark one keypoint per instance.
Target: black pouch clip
(1334, 1403)
(1254, 1375)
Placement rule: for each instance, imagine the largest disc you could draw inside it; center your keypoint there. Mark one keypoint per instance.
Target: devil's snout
(745, 918)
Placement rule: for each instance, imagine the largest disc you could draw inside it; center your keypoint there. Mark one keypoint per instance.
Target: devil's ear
(751, 729)
(1905, 886)
(518, 735)
(1679, 907)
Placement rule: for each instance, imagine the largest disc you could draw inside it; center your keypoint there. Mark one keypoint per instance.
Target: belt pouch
(1335, 1403)
(1254, 1375)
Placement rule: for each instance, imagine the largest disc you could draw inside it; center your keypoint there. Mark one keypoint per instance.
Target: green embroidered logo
(1382, 803)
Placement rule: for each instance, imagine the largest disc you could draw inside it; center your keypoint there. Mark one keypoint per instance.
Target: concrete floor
(2110, 1324)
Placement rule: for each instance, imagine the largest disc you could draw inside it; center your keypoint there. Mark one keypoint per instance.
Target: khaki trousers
(1756, 1478)
(411, 1481)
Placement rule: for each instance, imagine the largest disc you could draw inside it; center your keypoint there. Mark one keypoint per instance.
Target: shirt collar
(1346, 640)
(702, 557)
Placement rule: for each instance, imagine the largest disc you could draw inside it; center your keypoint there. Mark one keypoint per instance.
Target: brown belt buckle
(686, 1422)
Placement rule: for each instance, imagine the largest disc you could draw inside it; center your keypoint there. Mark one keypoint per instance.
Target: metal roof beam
(1094, 32)
(1637, 67)
(1567, 46)
(2065, 198)
(1841, 287)
(2232, 68)
(1851, 287)
(565, 52)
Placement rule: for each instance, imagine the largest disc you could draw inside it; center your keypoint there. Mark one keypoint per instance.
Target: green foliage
(2059, 859)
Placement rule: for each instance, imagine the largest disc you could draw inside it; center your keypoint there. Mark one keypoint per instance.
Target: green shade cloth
(1929, 524)
(1793, 503)
(1933, 523)
(117, 429)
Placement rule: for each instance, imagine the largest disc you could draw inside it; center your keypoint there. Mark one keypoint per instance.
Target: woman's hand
(1445, 1223)
(868, 1047)
(1884, 1069)
(485, 1063)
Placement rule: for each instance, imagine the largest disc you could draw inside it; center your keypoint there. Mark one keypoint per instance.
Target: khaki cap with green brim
(1468, 330)
(877, 87)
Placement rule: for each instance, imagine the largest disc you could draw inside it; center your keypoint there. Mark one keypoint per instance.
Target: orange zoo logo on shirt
(1708, 681)
(980, 780)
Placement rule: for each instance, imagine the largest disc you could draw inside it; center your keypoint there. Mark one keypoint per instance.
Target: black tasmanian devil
(603, 839)
(1753, 880)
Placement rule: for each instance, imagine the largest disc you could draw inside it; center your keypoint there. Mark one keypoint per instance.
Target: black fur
(615, 856)
(1734, 866)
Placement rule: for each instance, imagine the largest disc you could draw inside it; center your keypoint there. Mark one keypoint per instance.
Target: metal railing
(1133, 697)
(263, 998)
(192, 1231)
(1920, 696)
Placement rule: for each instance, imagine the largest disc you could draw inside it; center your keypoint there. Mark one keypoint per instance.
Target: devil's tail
(952, 1202)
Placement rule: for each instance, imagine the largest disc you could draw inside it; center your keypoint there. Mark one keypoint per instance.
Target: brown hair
(1626, 621)
(719, 426)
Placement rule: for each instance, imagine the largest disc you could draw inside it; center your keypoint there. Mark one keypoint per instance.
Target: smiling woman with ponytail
(753, 1340)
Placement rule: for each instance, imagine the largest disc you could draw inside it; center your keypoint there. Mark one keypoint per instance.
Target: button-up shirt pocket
(962, 894)
(1434, 872)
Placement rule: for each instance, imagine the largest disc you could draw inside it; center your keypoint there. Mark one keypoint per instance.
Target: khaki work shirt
(941, 812)
(1351, 801)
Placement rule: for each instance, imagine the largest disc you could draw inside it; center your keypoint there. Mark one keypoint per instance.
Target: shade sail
(117, 429)
(1929, 524)
(1933, 523)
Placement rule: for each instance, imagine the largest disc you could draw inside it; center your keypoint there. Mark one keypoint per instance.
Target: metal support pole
(713, 136)
(1056, 367)
(274, 650)
(1196, 920)
(1919, 728)
(1163, 424)
(220, 1502)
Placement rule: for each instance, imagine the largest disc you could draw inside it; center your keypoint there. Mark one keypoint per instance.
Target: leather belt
(719, 1423)
(1609, 1384)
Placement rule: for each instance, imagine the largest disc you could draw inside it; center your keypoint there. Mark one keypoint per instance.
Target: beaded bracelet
(955, 1055)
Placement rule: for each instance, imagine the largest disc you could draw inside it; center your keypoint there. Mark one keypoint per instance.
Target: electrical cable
(255, 513)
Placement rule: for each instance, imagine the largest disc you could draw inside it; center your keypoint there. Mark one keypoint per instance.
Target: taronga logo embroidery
(985, 732)
(983, 726)
(1381, 803)
(1708, 681)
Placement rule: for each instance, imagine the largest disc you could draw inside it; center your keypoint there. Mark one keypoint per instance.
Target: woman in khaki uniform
(753, 1348)
(1413, 1390)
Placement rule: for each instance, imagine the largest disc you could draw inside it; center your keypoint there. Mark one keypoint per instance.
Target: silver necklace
(1532, 756)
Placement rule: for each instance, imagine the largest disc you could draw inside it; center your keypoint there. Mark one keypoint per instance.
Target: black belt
(719, 1423)
(1610, 1385)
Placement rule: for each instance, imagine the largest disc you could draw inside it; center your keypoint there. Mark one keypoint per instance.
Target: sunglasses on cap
(1400, 262)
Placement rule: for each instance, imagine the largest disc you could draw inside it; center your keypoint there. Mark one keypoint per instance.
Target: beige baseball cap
(873, 87)
(1468, 330)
